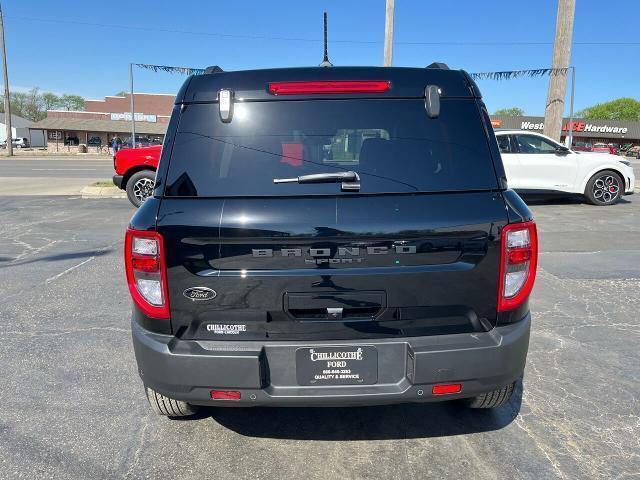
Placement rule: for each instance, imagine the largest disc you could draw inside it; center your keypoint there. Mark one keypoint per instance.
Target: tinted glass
(392, 144)
(534, 144)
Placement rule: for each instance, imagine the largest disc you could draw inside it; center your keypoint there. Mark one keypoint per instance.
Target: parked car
(267, 271)
(633, 151)
(94, 141)
(21, 142)
(537, 164)
(72, 141)
(604, 148)
(136, 172)
(582, 147)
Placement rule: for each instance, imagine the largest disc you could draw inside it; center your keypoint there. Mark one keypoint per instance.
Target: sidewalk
(102, 192)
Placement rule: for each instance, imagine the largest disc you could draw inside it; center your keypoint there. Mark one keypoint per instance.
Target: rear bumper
(117, 181)
(265, 372)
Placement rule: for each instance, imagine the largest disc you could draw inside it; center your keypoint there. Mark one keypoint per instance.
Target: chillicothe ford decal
(225, 329)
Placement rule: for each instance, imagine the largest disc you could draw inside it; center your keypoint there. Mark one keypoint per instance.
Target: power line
(313, 40)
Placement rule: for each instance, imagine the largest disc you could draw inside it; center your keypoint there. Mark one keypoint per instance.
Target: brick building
(102, 120)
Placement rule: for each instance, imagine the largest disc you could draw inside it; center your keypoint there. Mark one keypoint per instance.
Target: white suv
(535, 163)
(20, 142)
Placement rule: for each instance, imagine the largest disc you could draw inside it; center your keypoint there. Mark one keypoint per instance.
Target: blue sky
(85, 47)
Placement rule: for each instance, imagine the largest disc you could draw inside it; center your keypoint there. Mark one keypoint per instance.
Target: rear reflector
(334, 86)
(446, 388)
(225, 395)
(145, 264)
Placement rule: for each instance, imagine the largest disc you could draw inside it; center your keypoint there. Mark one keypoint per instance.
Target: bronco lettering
(342, 251)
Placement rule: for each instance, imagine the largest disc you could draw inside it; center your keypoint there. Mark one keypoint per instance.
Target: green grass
(103, 183)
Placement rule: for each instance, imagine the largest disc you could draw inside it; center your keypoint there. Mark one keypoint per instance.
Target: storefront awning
(91, 125)
(593, 129)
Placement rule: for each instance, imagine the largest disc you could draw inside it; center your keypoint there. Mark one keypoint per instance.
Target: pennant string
(171, 69)
(537, 72)
(505, 75)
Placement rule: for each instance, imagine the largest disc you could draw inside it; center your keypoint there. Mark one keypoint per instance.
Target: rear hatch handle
(350, 180)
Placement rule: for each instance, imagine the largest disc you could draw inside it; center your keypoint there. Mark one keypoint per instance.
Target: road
(51, 176)
(73, 405)
(57, 167)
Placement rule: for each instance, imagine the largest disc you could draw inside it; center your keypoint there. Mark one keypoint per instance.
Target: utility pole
(573, 90)
(388, 33)
(561, 58)
(7, 103)
(133, 115)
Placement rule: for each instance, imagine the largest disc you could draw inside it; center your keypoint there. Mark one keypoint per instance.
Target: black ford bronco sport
(330, 236)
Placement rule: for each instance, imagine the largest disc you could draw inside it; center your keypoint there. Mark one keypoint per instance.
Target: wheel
(140, 186)
(494, 399)
(168, 406)
(604, 188)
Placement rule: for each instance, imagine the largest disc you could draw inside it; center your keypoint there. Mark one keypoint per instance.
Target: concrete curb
(102, 192)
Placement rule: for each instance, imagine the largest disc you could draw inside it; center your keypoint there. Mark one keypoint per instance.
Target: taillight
(333, 86)
(518, 262)
(147, 272)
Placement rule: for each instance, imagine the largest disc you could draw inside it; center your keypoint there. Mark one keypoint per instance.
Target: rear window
(391, 143)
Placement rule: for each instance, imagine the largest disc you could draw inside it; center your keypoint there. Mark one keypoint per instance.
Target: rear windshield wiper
(350, 180)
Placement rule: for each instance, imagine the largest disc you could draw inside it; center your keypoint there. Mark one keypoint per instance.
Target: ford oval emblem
(199, 293)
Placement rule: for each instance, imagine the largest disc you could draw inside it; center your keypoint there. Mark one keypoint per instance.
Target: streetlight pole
(388, 33)
(133, 115)
(7, 103)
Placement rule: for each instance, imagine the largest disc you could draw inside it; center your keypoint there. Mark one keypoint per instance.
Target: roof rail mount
(213, 69)
(439, 65)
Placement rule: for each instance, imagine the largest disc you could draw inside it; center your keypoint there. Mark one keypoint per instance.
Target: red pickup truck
(136, 171)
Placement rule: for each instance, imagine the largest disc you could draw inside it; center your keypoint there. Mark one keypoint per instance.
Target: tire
(140, 186)
(168, 406)
(604, 188)
(494, 399)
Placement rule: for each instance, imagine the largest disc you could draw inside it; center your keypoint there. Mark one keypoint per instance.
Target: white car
(537, 164)
(21, 142)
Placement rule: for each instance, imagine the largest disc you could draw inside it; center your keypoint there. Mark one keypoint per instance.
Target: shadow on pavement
(425, 420)
(560, 200)
(56, 257)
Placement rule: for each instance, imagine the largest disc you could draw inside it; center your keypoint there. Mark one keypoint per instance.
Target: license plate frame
(337, 365)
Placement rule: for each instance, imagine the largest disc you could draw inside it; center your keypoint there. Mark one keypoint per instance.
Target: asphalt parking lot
(73, 405)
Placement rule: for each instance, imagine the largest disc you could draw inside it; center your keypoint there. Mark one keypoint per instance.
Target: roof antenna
(325, 60)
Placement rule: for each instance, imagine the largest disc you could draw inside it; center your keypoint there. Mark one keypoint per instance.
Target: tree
(510, 112)
(50, 101)
(619, 109)
(33, 105)
(18, 103)
(121, 93)
(72, 102)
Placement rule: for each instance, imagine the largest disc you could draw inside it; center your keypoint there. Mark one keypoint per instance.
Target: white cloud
(23, 89)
